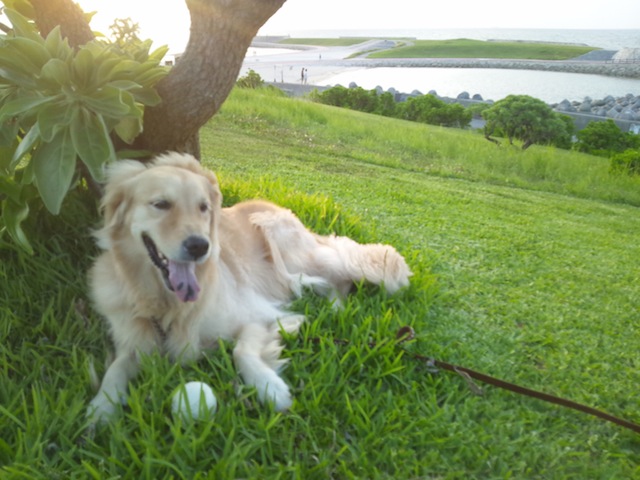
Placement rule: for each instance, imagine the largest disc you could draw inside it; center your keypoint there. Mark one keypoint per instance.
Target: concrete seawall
(613, 69)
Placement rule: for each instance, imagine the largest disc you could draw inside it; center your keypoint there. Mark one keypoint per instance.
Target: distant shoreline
(341, 58)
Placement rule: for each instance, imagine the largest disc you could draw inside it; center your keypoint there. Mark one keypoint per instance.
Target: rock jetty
(627, 68)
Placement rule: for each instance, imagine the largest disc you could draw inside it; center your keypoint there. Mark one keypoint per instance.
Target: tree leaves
(54, 165)
(525, 118)
(91, 142)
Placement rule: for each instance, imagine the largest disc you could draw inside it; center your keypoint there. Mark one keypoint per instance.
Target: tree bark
(194, 90)
(73, 23)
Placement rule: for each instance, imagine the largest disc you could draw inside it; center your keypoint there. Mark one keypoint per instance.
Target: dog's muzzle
(180, 276)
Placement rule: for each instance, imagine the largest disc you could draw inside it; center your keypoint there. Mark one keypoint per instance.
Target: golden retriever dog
(178, 272)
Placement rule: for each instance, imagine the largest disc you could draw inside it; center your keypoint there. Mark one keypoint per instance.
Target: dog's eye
(204, 207)
(162, 204)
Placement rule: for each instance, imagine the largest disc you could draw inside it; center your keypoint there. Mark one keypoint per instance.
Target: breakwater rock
(609, 68)
(621, 108)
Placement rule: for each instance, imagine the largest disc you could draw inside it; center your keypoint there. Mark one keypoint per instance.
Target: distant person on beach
(302, 75)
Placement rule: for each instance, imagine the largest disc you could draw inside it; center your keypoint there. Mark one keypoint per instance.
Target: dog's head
(166, 210)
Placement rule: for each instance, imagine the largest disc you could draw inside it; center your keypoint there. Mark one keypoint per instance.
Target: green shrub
(251, 80)
(430, 109)
(386, 105)
(605, 138)
(627, 162)
(599, 138)
(354, 98)
(58, 104)
(336, 96)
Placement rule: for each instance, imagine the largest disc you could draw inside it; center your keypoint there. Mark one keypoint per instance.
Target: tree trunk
(194, 90)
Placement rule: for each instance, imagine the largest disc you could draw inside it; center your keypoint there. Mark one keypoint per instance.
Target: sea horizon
(608, 39)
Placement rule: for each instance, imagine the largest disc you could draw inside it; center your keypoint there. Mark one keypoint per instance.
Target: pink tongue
(182, 277)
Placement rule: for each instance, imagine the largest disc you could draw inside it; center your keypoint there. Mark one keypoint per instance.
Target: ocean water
(491, 84)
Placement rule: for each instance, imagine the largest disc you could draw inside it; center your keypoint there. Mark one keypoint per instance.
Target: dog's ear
(214, 190)
(115, 201)
(215, 197)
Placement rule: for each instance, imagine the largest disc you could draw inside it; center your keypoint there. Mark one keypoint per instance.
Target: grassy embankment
(526, 267)
(460, 48)
(464, 48)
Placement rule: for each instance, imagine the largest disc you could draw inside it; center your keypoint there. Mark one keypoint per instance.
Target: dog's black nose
(196, 247)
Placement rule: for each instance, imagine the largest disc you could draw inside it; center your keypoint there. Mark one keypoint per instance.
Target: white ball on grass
(194, 401)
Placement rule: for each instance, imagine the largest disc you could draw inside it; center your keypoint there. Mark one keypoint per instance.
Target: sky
(169, 24)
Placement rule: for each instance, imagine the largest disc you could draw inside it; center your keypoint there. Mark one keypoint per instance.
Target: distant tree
(124, 31)
(564, 138)
(476, 109)
(251, 80)
(524, 118)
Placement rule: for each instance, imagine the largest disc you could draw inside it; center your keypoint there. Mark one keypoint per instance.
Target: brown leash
(407, 333)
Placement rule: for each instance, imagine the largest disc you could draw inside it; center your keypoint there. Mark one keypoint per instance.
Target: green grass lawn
(465, 48)
(526, 267)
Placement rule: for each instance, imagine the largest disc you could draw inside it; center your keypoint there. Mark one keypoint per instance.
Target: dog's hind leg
(256, 358)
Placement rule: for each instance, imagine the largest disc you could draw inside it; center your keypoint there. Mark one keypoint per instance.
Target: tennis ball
(194, 401)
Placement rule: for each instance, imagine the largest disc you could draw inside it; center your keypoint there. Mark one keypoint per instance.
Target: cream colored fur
(258, 257)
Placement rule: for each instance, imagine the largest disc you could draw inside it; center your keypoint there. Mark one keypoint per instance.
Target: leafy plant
(251, 80)
(59, 104)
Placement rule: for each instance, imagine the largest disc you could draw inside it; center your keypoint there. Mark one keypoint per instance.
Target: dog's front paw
(274, 390)
(101, 409)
